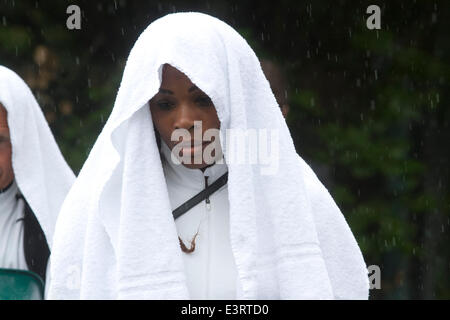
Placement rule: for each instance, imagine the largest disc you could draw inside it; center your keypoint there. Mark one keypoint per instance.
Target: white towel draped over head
(116, 237)
(40, 171)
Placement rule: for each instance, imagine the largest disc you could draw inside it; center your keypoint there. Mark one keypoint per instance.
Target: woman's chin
(195, 166)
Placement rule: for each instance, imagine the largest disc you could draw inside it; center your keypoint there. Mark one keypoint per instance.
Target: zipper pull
(208, 203)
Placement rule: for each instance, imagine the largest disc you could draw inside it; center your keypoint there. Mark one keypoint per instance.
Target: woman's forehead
(170, 73)
(174, 79)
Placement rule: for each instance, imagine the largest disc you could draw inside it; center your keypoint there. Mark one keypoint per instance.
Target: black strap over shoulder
(35, 245)
(202, 195)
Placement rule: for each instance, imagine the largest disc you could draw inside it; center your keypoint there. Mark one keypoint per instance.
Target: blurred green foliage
(369, 109)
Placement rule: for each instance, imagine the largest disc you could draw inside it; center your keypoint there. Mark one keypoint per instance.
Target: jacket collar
(8, 198)
(180, 174)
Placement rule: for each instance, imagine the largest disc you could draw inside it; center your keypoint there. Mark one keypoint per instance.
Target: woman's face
(6, 169)
(176, 106)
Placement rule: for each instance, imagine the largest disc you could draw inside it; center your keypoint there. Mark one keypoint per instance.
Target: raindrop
(433, 17)
(309, 9)
(376, 74)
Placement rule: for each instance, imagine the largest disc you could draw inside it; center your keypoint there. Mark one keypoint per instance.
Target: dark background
(369, 110)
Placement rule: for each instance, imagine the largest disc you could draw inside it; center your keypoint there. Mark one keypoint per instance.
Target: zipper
(208, 203)
(208, 268)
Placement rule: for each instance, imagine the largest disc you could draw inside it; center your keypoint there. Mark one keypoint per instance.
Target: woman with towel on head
(34, 178)
(139, 225)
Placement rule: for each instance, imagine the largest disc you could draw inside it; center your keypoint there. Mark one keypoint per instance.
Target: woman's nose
(185, 117)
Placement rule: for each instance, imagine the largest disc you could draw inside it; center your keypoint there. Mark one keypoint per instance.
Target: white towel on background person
(40, 171)
(116, 237)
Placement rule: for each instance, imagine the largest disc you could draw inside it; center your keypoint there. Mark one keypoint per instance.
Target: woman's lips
(192, 147)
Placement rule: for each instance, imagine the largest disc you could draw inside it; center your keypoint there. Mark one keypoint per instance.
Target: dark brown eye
(164, 104)
(203, 101)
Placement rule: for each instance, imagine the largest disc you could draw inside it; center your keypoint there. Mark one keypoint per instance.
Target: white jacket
(210, 269)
